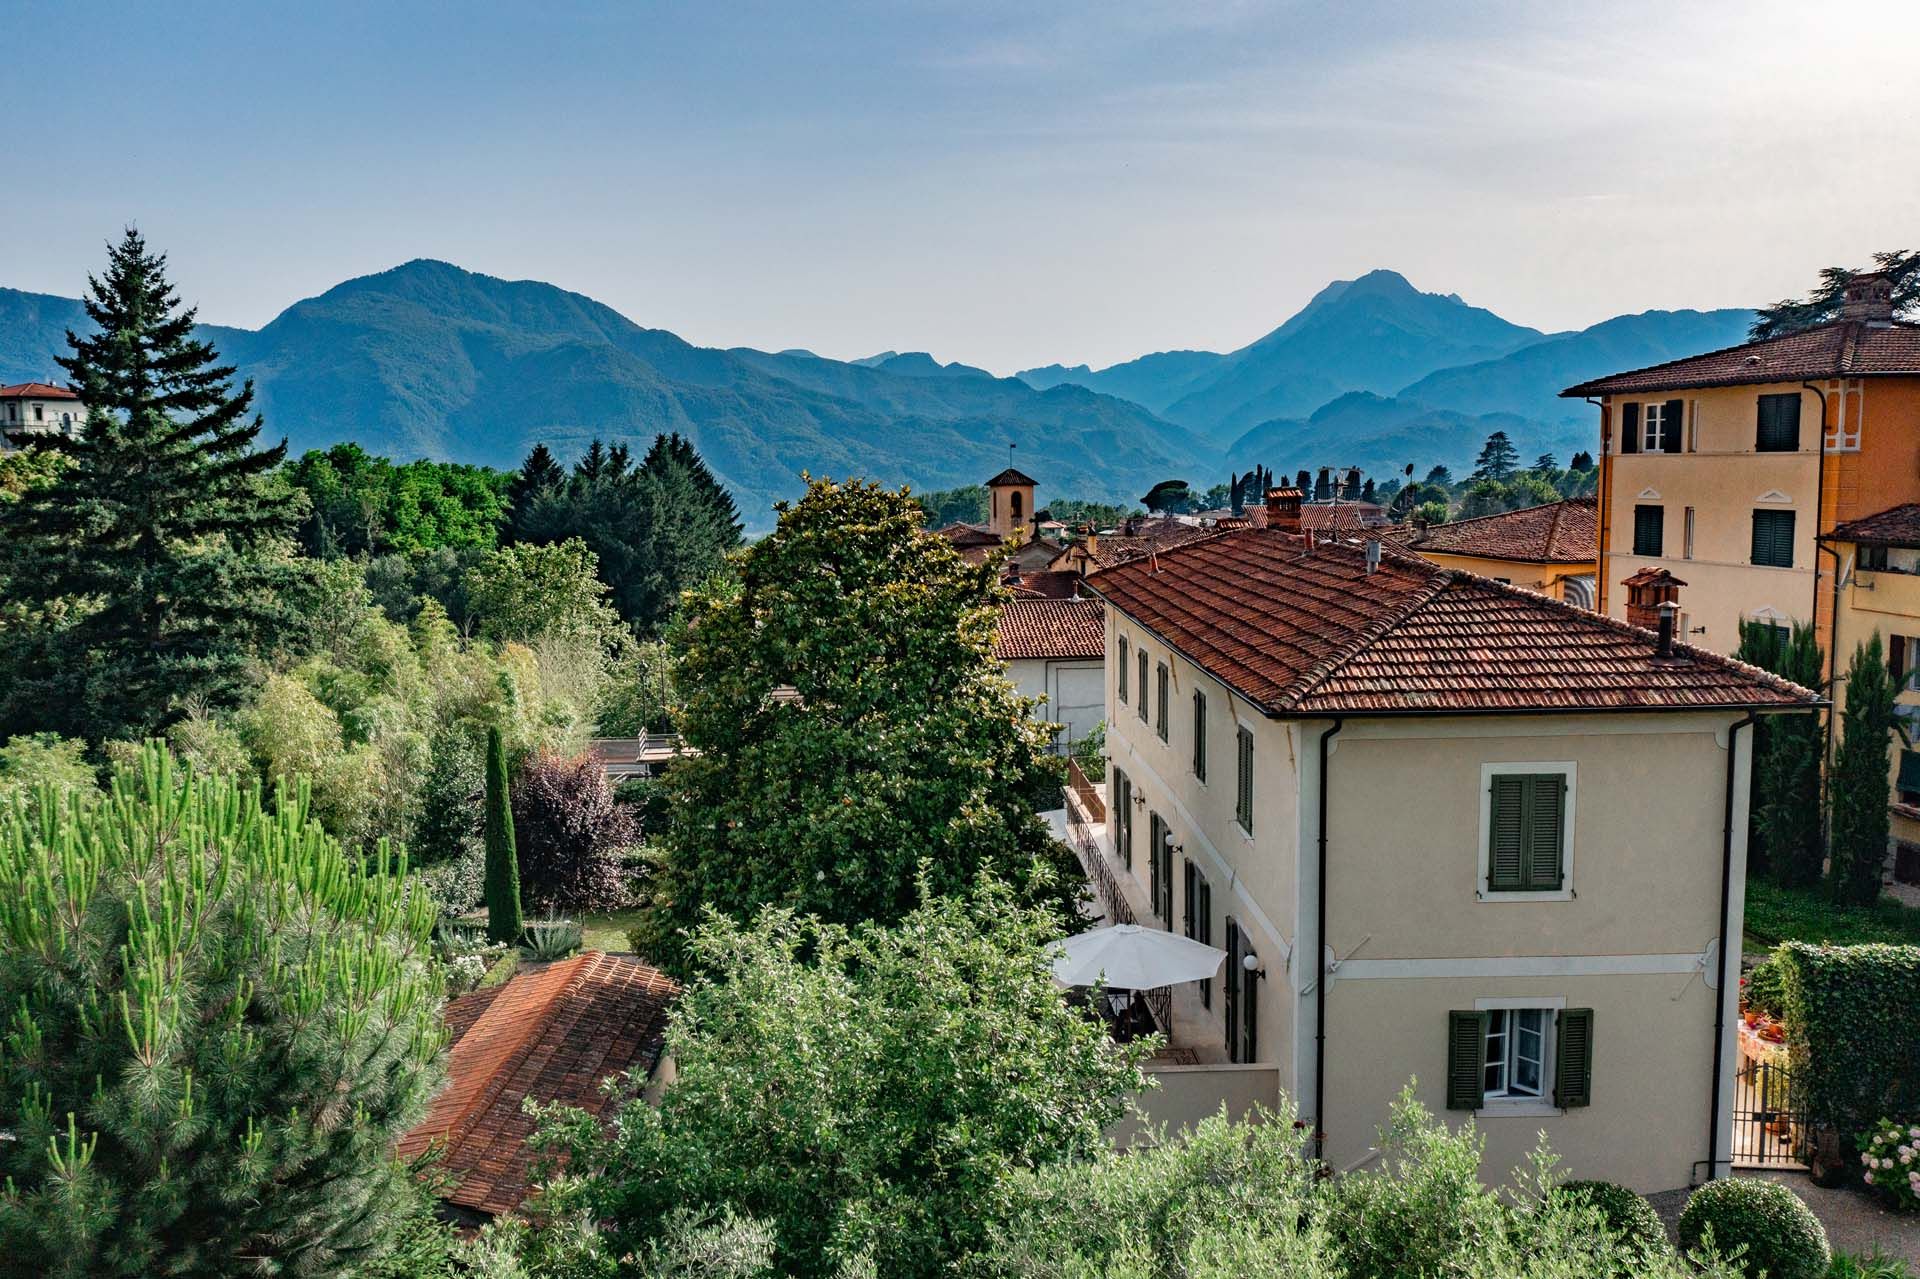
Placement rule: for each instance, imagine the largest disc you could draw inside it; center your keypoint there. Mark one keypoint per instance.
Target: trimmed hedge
(1853, 1032)
(1627, 1214)
(1783, 1239)
(1767, 987)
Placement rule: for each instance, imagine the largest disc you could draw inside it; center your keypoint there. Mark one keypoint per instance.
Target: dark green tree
(1822, 306)
(1857, 787)
(153, 560)
(1440, 476)
(1498, 458)
(847, 719)
(1581, 461)
(218, 1025)
(1546, 466)
(537, 476)
(1167, 496)
(1323, 485)
(1785, 827)
(360, 504)
(502, 894)
(1367, 490)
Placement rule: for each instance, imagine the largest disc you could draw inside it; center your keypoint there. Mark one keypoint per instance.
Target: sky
(1007, 184)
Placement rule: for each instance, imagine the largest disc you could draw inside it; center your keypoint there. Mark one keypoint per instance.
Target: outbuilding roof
(1895, 526)
(552, 1035)
(1050, 628)
(1848, 348)
(1566, 532)
(1306, 631)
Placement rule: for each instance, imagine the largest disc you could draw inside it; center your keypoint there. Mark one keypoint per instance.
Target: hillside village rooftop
(1564, 532)
(1304, 631)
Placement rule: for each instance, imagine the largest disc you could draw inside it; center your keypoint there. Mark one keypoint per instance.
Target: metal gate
(1769, 1128)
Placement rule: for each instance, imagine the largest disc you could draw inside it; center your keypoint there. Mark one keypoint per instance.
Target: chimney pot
(1869, 300)
(1664, 648)
(1283, 509)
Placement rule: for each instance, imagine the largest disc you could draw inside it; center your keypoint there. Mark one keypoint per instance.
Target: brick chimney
(1283, 510)
(1647, 590)
(1869, 300)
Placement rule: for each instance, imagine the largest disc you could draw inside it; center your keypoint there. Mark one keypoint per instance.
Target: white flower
(1893, 1135)
(1866, 1157)
(1914, 1132)
(1867, 1177)
(1906, 1156)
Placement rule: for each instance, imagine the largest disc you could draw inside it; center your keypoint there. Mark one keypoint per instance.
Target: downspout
(1726, 900)
(1820, 545)
(1320, 964)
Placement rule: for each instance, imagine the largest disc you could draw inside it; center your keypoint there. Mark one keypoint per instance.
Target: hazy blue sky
(1005, 183)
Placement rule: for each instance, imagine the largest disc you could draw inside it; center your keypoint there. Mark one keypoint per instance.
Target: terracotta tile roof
(36, 391)
(1845, 349)
(970, 535)
(1333, 516)
(1011, 476)
(1051, 628)
(1556, 533)
(1304, 633)
(1045, 584)
(1895, 526)
(553, 1035)
(1154, 535)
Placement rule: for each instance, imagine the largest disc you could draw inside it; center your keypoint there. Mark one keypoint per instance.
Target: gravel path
(1855, 1222)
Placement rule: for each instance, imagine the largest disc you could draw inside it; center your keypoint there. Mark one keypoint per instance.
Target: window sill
(1486, 894)
(1519, 1110)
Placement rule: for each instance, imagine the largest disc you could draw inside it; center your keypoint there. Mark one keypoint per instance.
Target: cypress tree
(503, 861)
(1858, 788)
(218, 1025)
(153, 560)
(1784, 820)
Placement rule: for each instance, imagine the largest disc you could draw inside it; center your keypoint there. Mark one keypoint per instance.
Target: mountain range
(428, 359)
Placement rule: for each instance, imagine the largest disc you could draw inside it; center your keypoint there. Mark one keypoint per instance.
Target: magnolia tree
(217, 1026)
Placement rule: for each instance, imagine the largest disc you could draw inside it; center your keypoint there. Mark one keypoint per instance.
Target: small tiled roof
(1895, 526)
(1154, 535)
(1845, 349)
(1326, 517)
(1045, 584)
(1011, 477)
(552, 1035)
(1051, 628)
(1310, 633)
(36, 391)
(964, 535)
(1565, 532)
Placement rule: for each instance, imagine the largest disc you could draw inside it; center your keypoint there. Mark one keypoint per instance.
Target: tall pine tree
(153, 568)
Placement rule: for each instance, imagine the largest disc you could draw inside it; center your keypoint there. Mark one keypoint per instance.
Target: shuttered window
(1143, 686)
(1779, 425)
(1649, 530)
(1123, 817)
(1121, 678)
(1526, 833)
(1160, 867)
(1199, 734)
(1160, 700)
(1629, 428)
(1243, 1013)
(1243, 788)
(1505, 1055)
(1673, 415)
(1197, 919)
(1773, 538)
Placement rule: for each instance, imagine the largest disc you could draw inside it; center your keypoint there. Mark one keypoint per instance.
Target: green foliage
(503, 871)
(1822, 306)
(848, 719)
(1781, 1236)
(968, 504)
(1090, 752)
(1874, 1265)
(1858, 790)
(1890, 1158)
(655, 530)
(153, 566)
(551, 938)
(1518, 491)
(1853, 1030)
(1766, 987)
(1777, 914)
(1430, 513)
(1075, 512)
(526, 592)
(359, 504)
(1625, 1213)
(42, 759)
(218, 1026)
(867, 1092)
(1168, 496)
(26, 469)
(1498, 458)
(639, 693)
(1784, 822)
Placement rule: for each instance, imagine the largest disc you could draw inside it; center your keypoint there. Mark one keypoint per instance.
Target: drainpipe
(1726, 900)
(1819, 546)
(1320, 964)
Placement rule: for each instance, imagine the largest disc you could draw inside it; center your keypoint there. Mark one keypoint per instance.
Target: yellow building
(1445, 829)
(1726, 468)
(1879, 576)
(1550, 549)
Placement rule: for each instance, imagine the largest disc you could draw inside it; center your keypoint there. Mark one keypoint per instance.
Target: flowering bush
(1890, 1154)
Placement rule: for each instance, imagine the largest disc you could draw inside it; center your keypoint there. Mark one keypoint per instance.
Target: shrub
(550, 939)
(218, 1025)
(1890, 1157)
(25, 762)
(1853, 1018)
(1767, 987)
(1872, 1266)
(1626, 1214)
(572, 833)
(1782, 1237)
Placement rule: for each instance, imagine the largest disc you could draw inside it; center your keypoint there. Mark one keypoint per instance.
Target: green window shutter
(1573, 1060)
(1507, 833)
(1779, 429)
(1672, 416)
(1160, 700)
(1546, 822)
(1629, 428)
(1200, 735)
(1773, 538)
(1909, 772)
(1649, 530)
(1466, 1059)
(1122, 677)
(1143, 685)
(1243, 799)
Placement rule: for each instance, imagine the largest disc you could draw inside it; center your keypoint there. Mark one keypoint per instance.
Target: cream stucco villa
(1446, 829)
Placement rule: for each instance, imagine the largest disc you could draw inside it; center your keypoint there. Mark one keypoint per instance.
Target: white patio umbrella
(1134, 958)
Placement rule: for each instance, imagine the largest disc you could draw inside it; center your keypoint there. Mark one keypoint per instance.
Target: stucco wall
(1075, 693)
(1545, 578)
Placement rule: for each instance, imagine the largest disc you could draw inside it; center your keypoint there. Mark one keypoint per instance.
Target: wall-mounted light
(1250, 963)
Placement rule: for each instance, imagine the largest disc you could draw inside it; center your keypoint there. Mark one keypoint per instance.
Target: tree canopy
(360, 504)
(1822, 305)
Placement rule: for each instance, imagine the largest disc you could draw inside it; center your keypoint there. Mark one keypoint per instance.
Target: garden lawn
(1776, 914)
(608, 932)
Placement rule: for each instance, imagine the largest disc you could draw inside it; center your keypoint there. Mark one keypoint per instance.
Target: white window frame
(1567, 769)
(1653, 414)
(1524, 1106)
